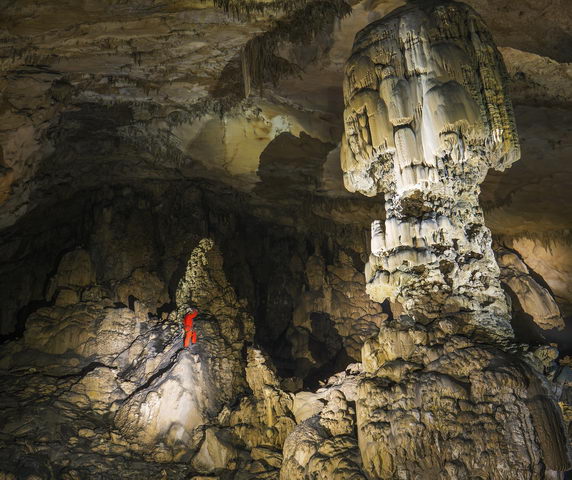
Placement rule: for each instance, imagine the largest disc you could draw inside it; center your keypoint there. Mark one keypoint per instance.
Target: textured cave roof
(101, 92)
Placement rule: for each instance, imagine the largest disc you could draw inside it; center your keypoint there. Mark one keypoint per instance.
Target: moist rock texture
(324, 444)
(116, 382)
(427, 114)
(137, 182)
(199, 380)
(467, 409)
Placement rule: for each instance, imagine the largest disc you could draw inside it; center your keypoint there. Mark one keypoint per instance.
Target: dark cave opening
(259, 259)
(157, 157)
(264, 261)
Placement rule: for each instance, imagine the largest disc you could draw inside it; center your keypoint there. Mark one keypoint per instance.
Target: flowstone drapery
(427, 115)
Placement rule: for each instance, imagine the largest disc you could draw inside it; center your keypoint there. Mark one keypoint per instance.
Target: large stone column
(427, 114)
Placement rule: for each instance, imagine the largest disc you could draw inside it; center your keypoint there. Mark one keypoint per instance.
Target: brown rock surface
(438, 391)
(136, 180)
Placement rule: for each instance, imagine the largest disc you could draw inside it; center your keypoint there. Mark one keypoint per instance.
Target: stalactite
(260, 61)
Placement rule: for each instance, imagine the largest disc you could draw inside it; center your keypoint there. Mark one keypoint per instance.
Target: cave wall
(136, 181)
(138, 239)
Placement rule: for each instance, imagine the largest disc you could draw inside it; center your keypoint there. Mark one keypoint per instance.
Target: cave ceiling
(162, 154)
(112, 91)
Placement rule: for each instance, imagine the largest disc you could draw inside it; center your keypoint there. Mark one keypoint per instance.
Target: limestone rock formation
(137, 181)
(534, 299)
(164, 399)
(188, 387)
(427, 114)
(457, 403)
(263, 420)
(550, 261)
(323, 340)
(324, 444)
(86, 359)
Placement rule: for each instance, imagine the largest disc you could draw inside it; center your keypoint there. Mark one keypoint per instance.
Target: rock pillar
(426, 116)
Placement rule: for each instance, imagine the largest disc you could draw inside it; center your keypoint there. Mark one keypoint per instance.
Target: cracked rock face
(167, 403)
(197, 381)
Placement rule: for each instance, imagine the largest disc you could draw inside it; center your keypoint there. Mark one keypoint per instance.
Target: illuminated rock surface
(427, 114)
(136, 181)
(534, 299)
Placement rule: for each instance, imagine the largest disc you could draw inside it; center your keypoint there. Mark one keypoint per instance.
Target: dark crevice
(158, 374)
(83, 372)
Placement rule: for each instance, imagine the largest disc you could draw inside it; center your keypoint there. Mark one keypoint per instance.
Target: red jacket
(190, 334)
(188, 320)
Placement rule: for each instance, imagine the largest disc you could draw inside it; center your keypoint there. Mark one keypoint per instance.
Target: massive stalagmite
(426, 116)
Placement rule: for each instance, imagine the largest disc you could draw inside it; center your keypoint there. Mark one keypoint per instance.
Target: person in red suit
(190, 334)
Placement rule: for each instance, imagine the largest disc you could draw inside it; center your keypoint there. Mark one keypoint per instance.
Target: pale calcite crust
(427, 115)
